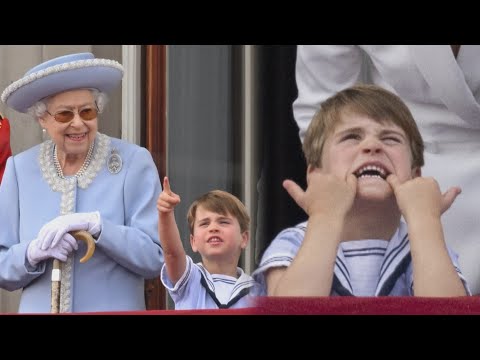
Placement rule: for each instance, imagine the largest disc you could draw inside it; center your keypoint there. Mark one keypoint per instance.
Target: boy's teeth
(379, 170)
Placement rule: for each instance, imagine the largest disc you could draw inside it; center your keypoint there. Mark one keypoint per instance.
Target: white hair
(39, 109)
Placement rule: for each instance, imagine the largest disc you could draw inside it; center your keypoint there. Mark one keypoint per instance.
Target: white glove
(61, 251)
(51, 233)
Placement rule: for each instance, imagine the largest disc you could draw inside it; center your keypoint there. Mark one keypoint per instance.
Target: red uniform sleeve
(5, 150)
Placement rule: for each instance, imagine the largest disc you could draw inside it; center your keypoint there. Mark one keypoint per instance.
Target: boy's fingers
(295, 191)
(166, 186)
(393, 180)
(449, 197)
(352, 181)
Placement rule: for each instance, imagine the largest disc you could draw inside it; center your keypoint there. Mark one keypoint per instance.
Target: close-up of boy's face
(369, 150)
(217, 235)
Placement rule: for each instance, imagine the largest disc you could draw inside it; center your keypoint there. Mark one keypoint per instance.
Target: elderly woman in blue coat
(79, 180)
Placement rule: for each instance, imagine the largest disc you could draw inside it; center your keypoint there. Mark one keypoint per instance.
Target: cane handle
(82, 235)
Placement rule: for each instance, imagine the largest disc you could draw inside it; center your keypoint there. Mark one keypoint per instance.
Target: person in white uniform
(219, 231)
(364, 155)
(441, 86)
(79, 180)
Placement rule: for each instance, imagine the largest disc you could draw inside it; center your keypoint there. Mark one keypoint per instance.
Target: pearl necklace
(82, 170)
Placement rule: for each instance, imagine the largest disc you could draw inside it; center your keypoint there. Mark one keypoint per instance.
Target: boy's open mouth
(371, 171)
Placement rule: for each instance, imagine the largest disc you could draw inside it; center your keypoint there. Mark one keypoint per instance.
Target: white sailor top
(362, 267)
(198, 289)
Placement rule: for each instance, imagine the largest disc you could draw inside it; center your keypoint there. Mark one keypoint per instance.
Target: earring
(45, 135)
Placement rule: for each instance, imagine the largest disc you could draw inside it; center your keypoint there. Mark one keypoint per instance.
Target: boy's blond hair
(220, 202)
(369, 100)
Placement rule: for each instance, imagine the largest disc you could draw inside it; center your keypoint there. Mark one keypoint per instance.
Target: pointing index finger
(166, 186)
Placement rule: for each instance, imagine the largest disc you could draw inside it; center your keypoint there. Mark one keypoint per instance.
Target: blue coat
(128, 248)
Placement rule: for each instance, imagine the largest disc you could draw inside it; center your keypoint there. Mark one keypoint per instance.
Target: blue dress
(128, 249)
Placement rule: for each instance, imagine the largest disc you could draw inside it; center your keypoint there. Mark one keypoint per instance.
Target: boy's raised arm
(422, 205)
(173, 251)
(326, 201)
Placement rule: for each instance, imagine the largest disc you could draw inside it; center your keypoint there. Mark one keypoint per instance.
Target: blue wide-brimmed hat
(74, 71)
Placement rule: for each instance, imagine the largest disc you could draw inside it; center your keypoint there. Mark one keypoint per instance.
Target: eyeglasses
(64, 116)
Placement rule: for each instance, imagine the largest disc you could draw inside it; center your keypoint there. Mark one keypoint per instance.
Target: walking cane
(78, 235)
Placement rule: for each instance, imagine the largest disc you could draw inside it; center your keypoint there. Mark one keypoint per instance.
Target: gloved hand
(61, 251)
(51, 233)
